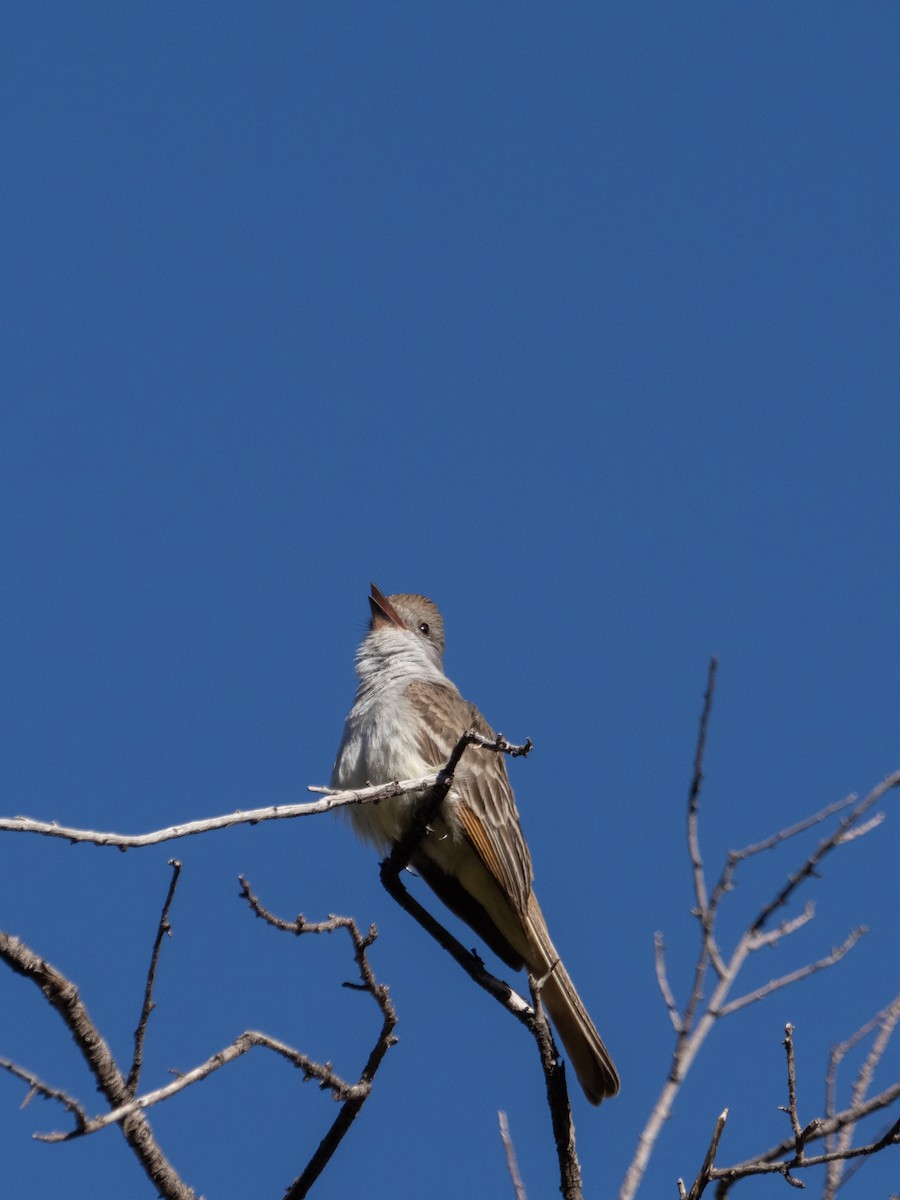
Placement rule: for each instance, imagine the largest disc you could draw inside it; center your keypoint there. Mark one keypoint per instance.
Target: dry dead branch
(703, 1008)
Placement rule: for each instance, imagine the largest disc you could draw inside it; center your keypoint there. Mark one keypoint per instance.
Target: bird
(405, 721)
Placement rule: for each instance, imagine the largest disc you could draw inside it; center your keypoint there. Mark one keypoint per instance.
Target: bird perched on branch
(405, 721)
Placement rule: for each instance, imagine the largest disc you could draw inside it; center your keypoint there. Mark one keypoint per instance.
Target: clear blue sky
(583, 322)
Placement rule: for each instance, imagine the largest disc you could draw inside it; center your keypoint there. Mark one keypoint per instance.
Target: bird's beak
(383, 612)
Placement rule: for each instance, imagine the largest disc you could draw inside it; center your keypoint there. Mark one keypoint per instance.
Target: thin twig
(333, 798)
(241, 1045)
(148, 1005)
(510, 1151)
(775, 985)
(840, 836)
(356, 1096)
(684, 1023)
(557, 1100)
(884, 1022)
(662, 979)
(403, 851)
(693, 1025)
(764, 1167)
(37, 1087)
(275, 812)
(397, 860)
(791, 831)
(693, 811)
(822, 1129)
(63, 996)
(705, 1173)
(792, 1088)
(787, 927)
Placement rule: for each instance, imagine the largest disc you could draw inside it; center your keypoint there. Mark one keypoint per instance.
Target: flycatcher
(405, 721)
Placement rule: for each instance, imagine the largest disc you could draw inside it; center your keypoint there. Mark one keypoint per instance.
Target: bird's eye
(425, 628)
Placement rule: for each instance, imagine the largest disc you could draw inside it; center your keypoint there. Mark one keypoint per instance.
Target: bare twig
(63, 996)
(332, 798)
(403, 851)
(785, 929)
(240, 1046)
(37, 1087)
(703, 912)
(846, 826)
(693, 810)
(791, 831)
(762, 1166)
(401, 854)
(684, 1050)
(557, 1100)
(127, 1109)
(775, 985)
(662, 979)
(705, 1174)
(790, 1155)
(510, 1151)
(405, 848)
(885, 1023)
(276, 812)
(355, 1095)
(829, 1125)
(693, 1024)
(792, 1088)
(147, 1007)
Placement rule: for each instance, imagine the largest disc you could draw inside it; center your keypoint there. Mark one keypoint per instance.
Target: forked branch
(529, 1015)
(127, 1109)
(716, 972)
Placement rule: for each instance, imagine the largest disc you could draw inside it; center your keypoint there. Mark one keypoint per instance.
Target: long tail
(584, 1046)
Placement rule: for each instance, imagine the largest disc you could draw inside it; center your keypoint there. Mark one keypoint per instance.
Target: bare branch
(353, 1099)
(822, 1129)
(694, 796)
(510, 1151)
(790, 1155)
(799, 1137)
(884, 1022)
(239, 1047)
(730, 1175)
(277, 812)
(793, 830)
(37, 1087)
(775, 985)
(688, 1038)
(127, 1109)
(703, 1178)
(705, 912)
(859, 831)
(532, 1017)
(693, 1025)
(662, 979)
(887, 1022)
(772, 936)
(839, 837)
(147, 1007)
(557, 1099)
(63, 996)
(402, 852)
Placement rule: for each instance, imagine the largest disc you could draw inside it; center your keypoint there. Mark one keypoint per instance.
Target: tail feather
(589, 1057)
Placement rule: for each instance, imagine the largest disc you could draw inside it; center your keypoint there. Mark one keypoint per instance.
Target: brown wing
(487, 807)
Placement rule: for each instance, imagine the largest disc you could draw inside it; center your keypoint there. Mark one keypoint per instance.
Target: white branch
(775, 985)
(240, 1046)
(253, 816)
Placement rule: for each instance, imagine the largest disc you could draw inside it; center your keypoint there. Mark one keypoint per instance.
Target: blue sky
(581, 322)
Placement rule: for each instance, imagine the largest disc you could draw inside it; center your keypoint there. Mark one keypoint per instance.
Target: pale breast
(379, 745)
